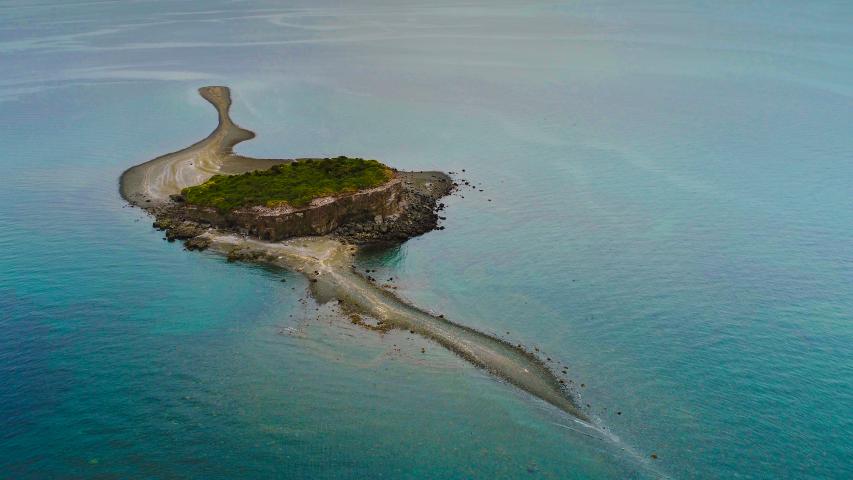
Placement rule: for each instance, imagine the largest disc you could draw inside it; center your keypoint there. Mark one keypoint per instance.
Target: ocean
(665, 209)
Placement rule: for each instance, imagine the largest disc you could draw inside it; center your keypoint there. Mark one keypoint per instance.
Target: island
(358, 201)
(311, 215)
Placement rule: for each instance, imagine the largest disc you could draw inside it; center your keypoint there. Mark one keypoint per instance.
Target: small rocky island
(208, 186)
(356, 200)
(310, 215)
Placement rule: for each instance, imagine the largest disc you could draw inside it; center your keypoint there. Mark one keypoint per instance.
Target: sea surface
(667, 209)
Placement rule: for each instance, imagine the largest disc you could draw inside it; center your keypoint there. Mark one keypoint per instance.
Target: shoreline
(326, 261)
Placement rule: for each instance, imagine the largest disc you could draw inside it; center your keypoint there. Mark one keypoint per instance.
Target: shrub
(295, 183)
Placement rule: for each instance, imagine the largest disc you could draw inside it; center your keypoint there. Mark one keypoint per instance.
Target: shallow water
(670, 217)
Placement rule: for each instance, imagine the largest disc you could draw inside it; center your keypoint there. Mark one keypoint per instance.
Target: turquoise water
(670, 216)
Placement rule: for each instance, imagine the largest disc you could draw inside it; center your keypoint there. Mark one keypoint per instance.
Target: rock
(197, 243)
(162, 223)
(237, 254)
(416, 216)
(177, 197)
(184, 230)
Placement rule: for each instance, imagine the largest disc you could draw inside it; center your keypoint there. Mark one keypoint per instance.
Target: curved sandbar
(150, 184)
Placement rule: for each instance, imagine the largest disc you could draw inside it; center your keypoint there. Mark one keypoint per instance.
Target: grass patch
(294, 184)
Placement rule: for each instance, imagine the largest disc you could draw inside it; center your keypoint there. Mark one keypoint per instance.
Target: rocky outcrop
(404, 207)
(418, 214)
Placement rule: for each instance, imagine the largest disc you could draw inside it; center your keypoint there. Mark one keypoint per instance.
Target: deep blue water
(670, 216)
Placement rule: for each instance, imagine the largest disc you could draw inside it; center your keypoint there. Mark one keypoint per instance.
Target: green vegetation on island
(295, 183)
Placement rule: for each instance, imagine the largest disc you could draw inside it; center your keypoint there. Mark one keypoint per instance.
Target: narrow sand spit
(150, 184)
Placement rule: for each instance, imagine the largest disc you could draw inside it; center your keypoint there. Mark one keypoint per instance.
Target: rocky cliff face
(405, 207)
(321, 217)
